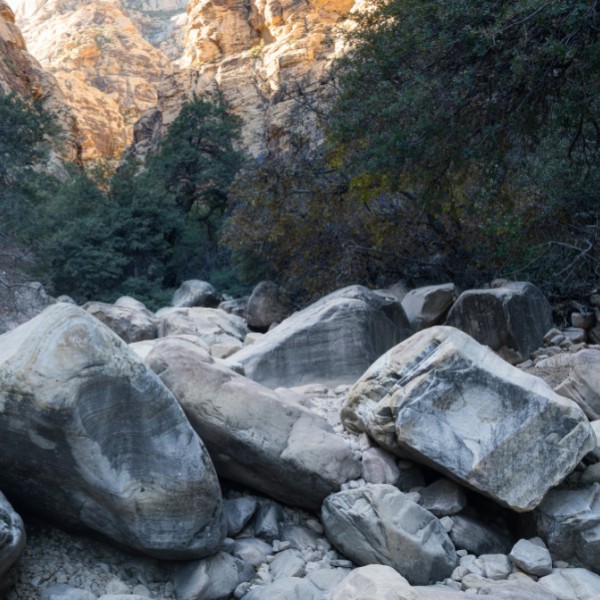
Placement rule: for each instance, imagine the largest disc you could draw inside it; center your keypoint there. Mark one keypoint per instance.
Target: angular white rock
(447, 401)
(373, 582)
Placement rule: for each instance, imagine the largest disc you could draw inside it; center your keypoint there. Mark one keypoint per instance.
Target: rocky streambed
(439, 471)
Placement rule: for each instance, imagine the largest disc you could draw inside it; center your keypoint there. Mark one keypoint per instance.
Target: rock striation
(331, 341)
(270, 59)
(90, 438)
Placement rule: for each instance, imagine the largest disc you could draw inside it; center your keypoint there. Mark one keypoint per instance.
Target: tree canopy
(484, 115)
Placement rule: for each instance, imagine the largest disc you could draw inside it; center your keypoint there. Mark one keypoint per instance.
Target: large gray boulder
(91, 438)
(12, 539)
(378, 524)
(569, 523)
(429, 305)
(195, 292)
(511, 319)
(447, 401)
(331, 341)
(131, 323)
(254, 435)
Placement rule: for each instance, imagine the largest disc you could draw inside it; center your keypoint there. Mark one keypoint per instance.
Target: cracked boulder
(254, 435)
(445, 400)
(378, 524)
(90, 438)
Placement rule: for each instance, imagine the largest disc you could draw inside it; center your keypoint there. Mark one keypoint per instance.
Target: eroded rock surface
(90, 438)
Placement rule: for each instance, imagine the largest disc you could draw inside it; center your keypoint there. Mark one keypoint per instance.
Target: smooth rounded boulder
(444, 400)
(130, 322)
(91, 438)
(378, 524)
(195, 292)
(331, 341)
(254, 435)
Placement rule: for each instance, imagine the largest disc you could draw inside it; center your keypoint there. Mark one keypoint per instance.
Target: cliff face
(269, 58)
(106, 69)
(21, 74)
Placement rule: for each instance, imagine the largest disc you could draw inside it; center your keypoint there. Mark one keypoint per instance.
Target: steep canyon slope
(21, 74)
(108, 72)
(120, 61)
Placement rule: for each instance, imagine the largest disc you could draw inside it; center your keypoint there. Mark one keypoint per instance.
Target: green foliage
(25, 135)
(147, 228)
(481, 118)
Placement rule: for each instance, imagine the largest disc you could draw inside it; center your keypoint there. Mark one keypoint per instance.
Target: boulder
(447, 401)
(378, 524)
(569, 522)
(583, 382)
(130, 323)
(91, 438)
(12, 538)
(265, 306)
(443, 497)
(572, 584)
(331, 341)
(373, 582)
(532, 556)
(254, 435)
(213, 578)
(195, 293)
(511, 319)
(20, 302)
(476, 537)
(288, 588)
(211, 325)
(429, 305)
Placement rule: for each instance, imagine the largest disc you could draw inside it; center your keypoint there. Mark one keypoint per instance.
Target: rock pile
(440, 472)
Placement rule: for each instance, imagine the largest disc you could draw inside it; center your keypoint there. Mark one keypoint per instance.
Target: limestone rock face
(106, 69)
(90, 437)
(512, 319)
(257, 53)
(22, 74)
(161, 22)
(445, 400)
(12, 538)
(331, 341)
(378, 524)
(255, 436)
